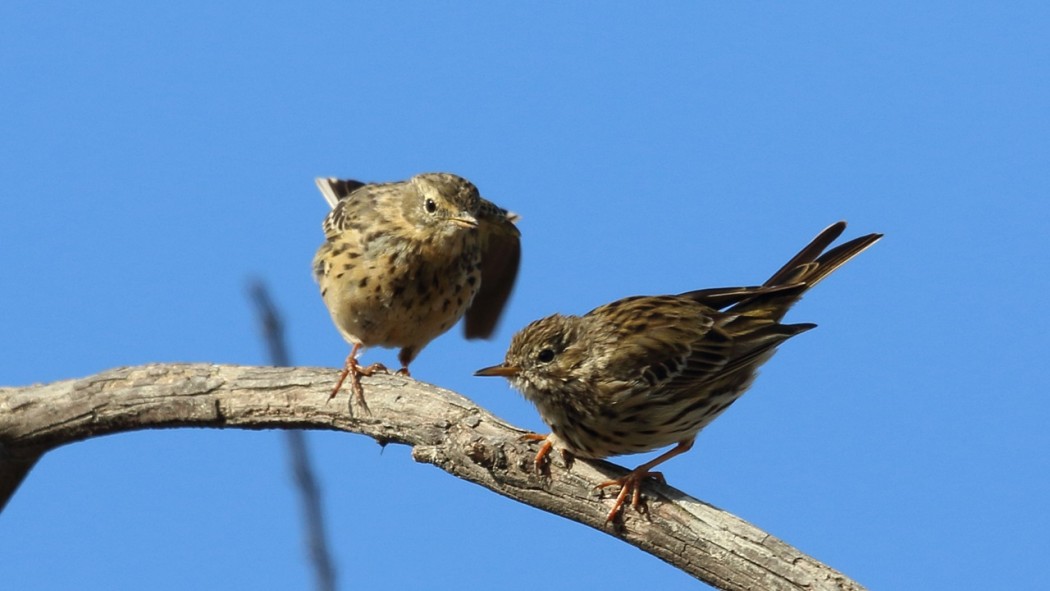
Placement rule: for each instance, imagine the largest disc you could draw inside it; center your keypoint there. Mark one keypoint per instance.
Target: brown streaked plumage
(646, 372)
(402, 262)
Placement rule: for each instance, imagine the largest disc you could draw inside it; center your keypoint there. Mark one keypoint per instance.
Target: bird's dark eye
(430, 205)
(545, 356)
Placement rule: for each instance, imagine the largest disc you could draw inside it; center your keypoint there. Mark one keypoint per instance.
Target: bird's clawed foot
(542, 461)
(355, 370)
(631, 485)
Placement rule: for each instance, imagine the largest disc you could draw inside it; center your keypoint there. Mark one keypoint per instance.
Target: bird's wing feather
(662, 341)
(334, 190)
(723, 297)
(352, 197)
(500, 257)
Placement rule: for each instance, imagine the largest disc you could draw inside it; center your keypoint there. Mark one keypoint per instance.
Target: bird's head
(544, 359)
(442, 204)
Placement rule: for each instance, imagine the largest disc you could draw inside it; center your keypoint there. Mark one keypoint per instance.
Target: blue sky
(155, 158)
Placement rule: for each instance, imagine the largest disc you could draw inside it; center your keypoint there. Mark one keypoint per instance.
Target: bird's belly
(400, 309)
(623, 429)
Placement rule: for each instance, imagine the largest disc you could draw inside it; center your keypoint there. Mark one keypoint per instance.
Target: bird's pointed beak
(502, 369)
(464, 220)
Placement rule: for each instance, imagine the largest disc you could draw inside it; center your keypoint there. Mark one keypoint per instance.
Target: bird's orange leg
(355, 370)
(542, 461)
(631, 483)
(545, 450)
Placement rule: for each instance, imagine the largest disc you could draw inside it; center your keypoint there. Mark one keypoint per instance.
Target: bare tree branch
(443, 429)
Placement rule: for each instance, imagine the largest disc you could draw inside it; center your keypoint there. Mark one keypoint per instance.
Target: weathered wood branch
(443, 428)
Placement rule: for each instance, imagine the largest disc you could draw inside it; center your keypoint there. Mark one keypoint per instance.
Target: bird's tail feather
(807, 268)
